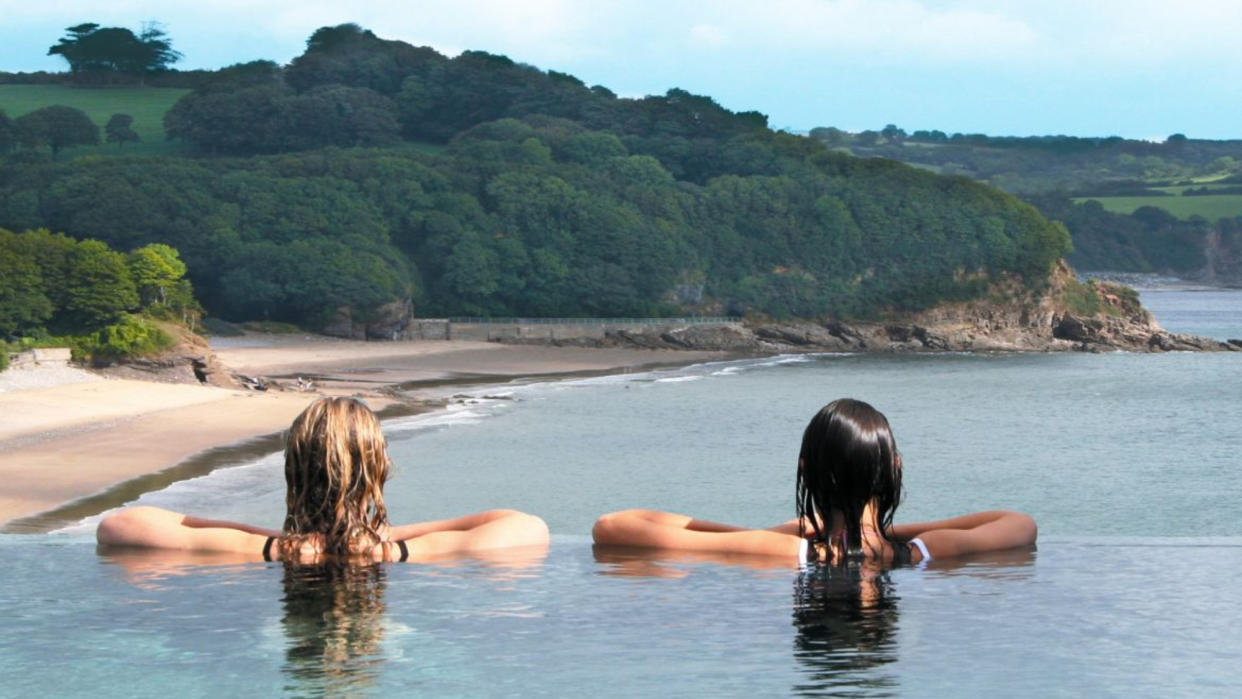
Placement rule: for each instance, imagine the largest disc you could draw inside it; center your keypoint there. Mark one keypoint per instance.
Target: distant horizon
(1139, 70)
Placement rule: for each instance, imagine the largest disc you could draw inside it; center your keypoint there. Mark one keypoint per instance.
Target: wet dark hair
(848, 459)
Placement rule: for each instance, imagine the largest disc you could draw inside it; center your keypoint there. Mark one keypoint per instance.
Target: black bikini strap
(267, 548)
(405, 550)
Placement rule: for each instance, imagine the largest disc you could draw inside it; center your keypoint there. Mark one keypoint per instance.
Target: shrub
(4, 355)
(1080, 299)
(130, 336)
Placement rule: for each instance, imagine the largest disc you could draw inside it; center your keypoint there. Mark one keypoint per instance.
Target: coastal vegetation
(104, 304)
(1138, 206)
(370, 173)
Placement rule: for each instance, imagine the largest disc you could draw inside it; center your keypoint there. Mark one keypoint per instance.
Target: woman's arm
(993, 530)
(664, 530)
(200, 523)
(457, 524)
(154, 527)
(485, 531)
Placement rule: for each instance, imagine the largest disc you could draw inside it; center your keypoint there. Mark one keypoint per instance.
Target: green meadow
(146, 105)
(1181, 188)
(1211, 207)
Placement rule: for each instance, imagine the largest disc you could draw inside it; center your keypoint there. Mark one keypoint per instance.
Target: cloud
(708, 36)
(891, 29)
(1026, 35)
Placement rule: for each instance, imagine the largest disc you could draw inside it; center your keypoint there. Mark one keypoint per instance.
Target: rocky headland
(1065, 316)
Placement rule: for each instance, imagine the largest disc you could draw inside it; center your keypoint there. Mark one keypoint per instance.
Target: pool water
(1086, 616)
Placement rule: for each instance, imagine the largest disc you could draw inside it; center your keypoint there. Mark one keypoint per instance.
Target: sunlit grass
(1211, 207)
(146, 105)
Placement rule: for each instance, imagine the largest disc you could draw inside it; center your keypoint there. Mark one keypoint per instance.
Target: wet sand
(61, 446)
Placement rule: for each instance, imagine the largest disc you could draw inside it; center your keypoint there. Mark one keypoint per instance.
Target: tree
(23, 304)
(8, 133)
(71, 47)
(92, 50)
(99, 287)
(119, 131)
(57, 126)
(830, 135)
(867, 138)
(893, 134)
(158, 53)
(335, 115)
(156, 269)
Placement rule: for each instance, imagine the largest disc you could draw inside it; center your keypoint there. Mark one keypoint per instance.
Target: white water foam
(679, 379)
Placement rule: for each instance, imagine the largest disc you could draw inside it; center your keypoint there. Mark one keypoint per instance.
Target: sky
(1131, 68)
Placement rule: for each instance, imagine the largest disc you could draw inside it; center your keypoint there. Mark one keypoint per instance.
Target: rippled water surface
(1128, 462)
(1082, 616)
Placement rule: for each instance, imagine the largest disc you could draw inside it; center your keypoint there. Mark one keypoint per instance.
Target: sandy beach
(84, 434)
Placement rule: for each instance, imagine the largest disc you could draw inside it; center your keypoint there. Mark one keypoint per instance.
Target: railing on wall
(694, 320)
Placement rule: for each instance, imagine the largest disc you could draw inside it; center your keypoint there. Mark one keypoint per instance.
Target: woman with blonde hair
(336, 465)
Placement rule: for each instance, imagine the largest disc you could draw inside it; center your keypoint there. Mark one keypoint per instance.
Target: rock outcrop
(1012, 319)
(189, 361)
(388, 322)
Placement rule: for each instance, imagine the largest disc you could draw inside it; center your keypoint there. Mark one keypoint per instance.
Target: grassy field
(1209, 207)
(1179, 189)
(146, 105)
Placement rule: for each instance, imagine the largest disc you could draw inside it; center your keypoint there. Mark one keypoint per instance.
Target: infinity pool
(1080, 616)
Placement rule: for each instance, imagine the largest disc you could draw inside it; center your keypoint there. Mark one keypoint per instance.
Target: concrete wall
(47, 356)
(593, 329)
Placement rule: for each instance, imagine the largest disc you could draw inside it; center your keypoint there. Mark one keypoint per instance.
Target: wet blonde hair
(336, 464)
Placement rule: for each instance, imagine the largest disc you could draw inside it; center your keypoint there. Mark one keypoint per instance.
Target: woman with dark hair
(848, 488)
(336, 464)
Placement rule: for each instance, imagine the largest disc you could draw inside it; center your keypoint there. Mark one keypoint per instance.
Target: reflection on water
(846, 619)
(846, 622)
(334, 624)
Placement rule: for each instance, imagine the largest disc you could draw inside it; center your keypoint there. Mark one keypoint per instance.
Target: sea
(1128, 462)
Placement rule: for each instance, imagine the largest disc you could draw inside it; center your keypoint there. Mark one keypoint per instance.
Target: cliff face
(1065, 316)
(1222, 252)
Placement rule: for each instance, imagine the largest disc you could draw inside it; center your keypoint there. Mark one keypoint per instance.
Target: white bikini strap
(922, 547)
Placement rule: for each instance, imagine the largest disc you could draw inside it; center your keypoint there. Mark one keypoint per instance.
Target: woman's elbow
(607, 526)
(128, 527)
(1024, 527)
(526, 529)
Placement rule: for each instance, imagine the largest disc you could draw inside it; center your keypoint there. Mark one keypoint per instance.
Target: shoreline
(78, 449)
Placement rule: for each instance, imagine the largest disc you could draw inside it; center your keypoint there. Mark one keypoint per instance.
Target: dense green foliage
(56, 127)
(86, 293)
(1120, 199)
(1148, 240)
(129, 336)
(546, 198)
(8, 133)
(548, 218)
(120, 129)
(103, 54)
